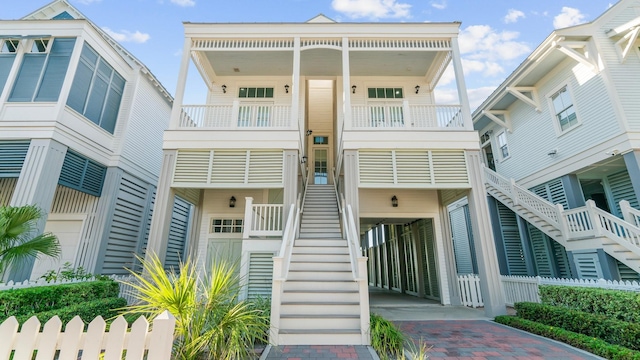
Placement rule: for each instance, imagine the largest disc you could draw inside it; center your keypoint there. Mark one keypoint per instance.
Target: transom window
(320, 140)
(485, 137)
(39, 45)
(385, 93)
(255, 92)
(226, 226)
(564, 110)
(9, 46)
(502, 144)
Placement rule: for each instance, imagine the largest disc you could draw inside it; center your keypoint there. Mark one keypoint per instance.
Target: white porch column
(291, 166)
(460, 84)
(485, 247)
(295, 85)
(351, 184)
(181, 86)
(449, 255)
(36, 186)
(163, 208)
(346, 84)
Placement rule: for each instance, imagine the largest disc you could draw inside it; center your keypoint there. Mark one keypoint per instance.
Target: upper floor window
(502, 144)
(8, 50)
(564, 110)
(255, 92)
(385, 93)
(96, 90)
(226, 226)
(9, 46)
(43, 70)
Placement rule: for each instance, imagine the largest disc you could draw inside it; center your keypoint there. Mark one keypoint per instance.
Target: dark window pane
(28, 77)
(251, 92)
(95, 104)
(110, 114)
(398, 92)
(372, 93)
(242, 93)
(260, 92)
(6, 62)
(269, 92)
(380, 93)
(389, 93)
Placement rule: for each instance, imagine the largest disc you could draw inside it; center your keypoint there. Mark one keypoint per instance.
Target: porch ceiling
(602, 168)
(321, 62)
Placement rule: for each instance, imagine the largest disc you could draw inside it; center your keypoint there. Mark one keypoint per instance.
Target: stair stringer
(625, 253)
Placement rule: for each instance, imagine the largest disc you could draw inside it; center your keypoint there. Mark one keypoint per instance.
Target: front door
(320, 165)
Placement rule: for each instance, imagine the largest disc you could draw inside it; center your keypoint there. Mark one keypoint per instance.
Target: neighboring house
(299, 116)
(81, 124)
(566, 125)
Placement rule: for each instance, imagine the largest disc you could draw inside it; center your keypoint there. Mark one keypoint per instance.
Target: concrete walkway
(452, 332)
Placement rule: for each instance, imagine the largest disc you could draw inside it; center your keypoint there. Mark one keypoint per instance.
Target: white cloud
(476, 96)
(439, 5)
(568, 17)
(184, 2)
(513, 15)
(128, 36)
(483, 43)
(373, 9)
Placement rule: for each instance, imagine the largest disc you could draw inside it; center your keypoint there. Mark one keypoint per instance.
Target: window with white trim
(385, 93)
(386, 113)
(43, 70)
(502, 144)
(255, 92)
(8, 50)
(225, 226)
(564, 110)
(97, 90)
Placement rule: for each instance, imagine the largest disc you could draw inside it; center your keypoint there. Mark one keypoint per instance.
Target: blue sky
(496, 35)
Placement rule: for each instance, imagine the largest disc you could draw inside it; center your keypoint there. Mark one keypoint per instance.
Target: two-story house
(565, 125)
(320, 144)
(81, 122)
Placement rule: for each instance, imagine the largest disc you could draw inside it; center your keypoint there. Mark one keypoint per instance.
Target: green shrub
(262, 305)
(108, 308)
(618, 304)
(29, 301)
(613, 331)
(590, 344)
(386, 339)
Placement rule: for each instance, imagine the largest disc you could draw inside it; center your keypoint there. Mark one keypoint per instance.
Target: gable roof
(320, 18)
(57, 8)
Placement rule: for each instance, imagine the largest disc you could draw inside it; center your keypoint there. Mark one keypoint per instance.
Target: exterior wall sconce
(309, 132)
(353, 89)
(394, 201)
(417, 89)
(286, 88)
(232, 202)
(224, 89)
(552, 152)
(303, 160)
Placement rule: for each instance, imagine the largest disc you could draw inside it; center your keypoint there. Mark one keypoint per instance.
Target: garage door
(68, 229)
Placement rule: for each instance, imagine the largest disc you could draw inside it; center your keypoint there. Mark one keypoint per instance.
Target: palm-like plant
(211, 322)
(17, 241)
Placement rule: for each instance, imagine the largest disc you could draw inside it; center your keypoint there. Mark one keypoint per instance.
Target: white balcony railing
(262, 219)
(404, 115)
(236, 116)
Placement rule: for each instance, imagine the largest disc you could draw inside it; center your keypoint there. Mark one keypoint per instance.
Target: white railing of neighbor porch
(95, 343)
(630, 214)
(236, 116)
(525, 288)
(262, 219)
(399, 115)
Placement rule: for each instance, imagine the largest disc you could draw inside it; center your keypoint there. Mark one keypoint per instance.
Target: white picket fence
(525, 288)
(126, 291)
(73, 343)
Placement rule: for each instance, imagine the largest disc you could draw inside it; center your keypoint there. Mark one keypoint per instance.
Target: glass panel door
(320, 166)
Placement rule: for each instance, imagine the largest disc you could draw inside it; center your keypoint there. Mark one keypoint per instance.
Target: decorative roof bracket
(568, 48)
(518, 92)
(625, 44)
(493, 116)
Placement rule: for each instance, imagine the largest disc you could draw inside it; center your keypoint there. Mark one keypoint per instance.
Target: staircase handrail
(616, 229)
(353, 242)
(630, 214)
(521, 196)
(335, 189)
(288, 238)
(304, 191)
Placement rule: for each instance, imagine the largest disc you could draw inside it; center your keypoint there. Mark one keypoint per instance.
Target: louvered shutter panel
(127, 226)
(449, 167)
(622, 189)
(112, 103)
(95, 103)
(627, 273)
(512, 244)
(260, 275)
(552, 191)
(413, 167)
(229, 167)
(12, 155)
(265, 167)
(429, 265)
(82, 174)
(55, 70)
(540, 247)
(28, 77)
(178, 231)
(191, 166)
(376, 167)
(587, 265)
(6, 62)
(145, 240)
(461, 246)
(561, 260)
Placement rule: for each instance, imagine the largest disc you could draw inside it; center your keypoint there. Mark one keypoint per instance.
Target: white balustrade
(630, 214)
(578, 222)
(402, 115)
(263, 219)
(437, 116)
(239, 115)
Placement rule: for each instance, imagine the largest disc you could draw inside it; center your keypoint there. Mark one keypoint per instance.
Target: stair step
(320, 275)
(307, 308)
(315, 236)
(321, 250)
(311, 256)
(320, 242)
(318, 323)
(307, 296)
(319, 266)
(327, 337)
(313, 285)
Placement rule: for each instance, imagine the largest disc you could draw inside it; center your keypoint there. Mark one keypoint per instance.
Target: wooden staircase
(320, 301)
(583, 228)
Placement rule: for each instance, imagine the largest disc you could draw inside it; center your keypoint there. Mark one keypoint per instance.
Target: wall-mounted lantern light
(232, 202)
(286, 88)
(224, 89)
(353, 89)
(417, 89)
(394, 201)
(304, 159)
(309, 132)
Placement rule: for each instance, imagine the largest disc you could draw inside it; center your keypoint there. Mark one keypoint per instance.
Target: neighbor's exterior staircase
(320, 299)
(583, 228)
